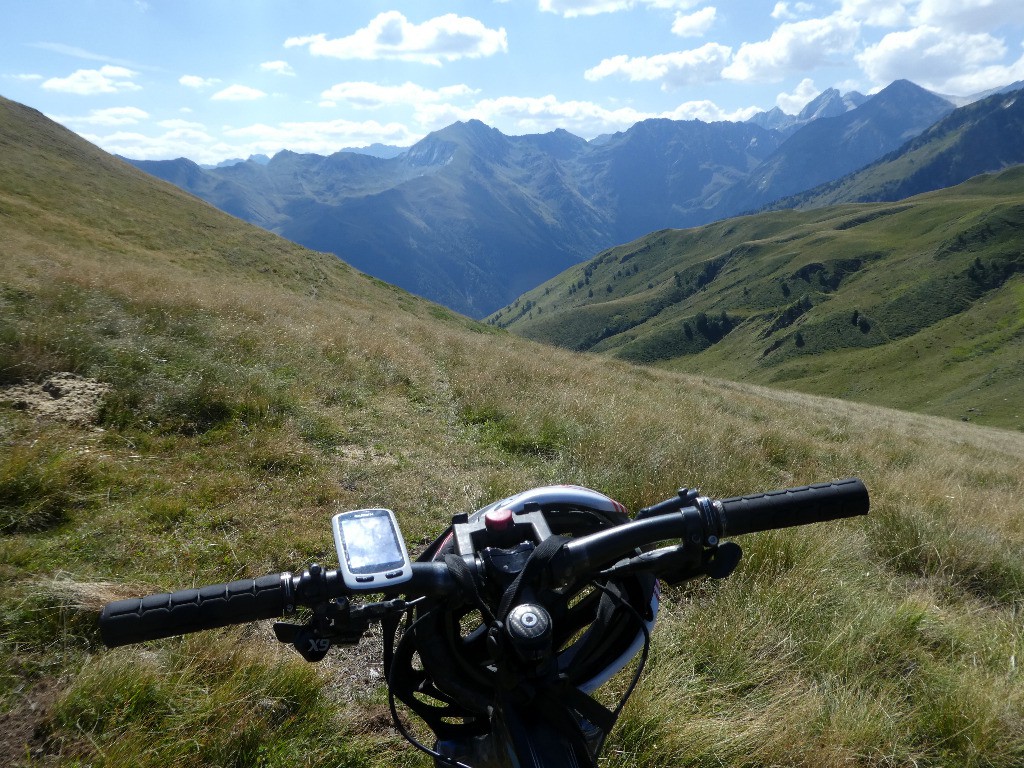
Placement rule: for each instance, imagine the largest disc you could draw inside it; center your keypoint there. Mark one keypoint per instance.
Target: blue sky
(214, 79)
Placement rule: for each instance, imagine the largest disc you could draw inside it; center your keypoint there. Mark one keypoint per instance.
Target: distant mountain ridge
(839, 143)
(982, 137)
(473, 218)
(828, 103)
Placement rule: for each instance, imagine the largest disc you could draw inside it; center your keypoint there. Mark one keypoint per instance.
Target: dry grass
(248, 404)
(854, 644)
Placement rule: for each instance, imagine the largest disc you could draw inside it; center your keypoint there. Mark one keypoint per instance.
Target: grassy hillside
(255, 387)
(917, 305)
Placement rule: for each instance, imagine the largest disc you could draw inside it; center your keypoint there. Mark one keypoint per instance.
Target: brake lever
(685, 497)
(724, 560)
(663, 558)
(677, 563)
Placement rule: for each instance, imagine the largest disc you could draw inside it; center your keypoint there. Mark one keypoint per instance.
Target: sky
(217, 79)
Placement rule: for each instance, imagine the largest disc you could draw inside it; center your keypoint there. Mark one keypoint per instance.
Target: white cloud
(940, 60)
(391, 35)
(82, 53)
(183, 125)
(516, 115)
(511, 114)
(109, 117)
(985, 78)
(89, 82)
(278, 67)
(23, 78)
(792, 103)
(709, 112)
(185, 138)
(372, 95)
(783, 10)
(890, 13)
(796, 46)
(694, 24)
(699, 65)
(194, 81)
(969, 15)
(321, 137)
(197, 144)
(572, 8)
(527, 114)
(238, 93)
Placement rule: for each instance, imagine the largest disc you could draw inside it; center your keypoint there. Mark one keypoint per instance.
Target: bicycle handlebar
(794, 506)
(191, 610)
(708, 521)
(139, 619)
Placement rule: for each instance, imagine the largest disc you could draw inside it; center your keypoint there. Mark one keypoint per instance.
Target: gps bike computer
(371, 550)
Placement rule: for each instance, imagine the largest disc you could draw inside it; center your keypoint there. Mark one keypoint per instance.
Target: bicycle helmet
(446, 675)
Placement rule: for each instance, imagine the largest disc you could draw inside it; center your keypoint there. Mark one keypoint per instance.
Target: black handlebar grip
(191, 610)
(794, 506)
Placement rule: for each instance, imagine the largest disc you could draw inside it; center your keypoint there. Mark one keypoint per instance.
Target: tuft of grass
(511, 435)
(41, 483)
(162, 709)
(934, 543)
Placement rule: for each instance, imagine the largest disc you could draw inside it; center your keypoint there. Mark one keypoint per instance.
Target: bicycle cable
(402, 729)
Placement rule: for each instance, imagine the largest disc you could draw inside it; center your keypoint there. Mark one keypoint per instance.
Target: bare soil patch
(23, 729)
(64, 396)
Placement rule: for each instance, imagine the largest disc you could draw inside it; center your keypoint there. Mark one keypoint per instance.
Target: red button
(498, 520)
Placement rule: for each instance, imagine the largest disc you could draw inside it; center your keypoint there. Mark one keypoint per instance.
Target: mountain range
(981, 137)
(472, 218)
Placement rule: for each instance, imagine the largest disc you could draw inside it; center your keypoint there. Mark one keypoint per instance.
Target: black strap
(563, 691)
(595, 641)
(457, 567)
(591, 709)
(538, 562)
(389, 628)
